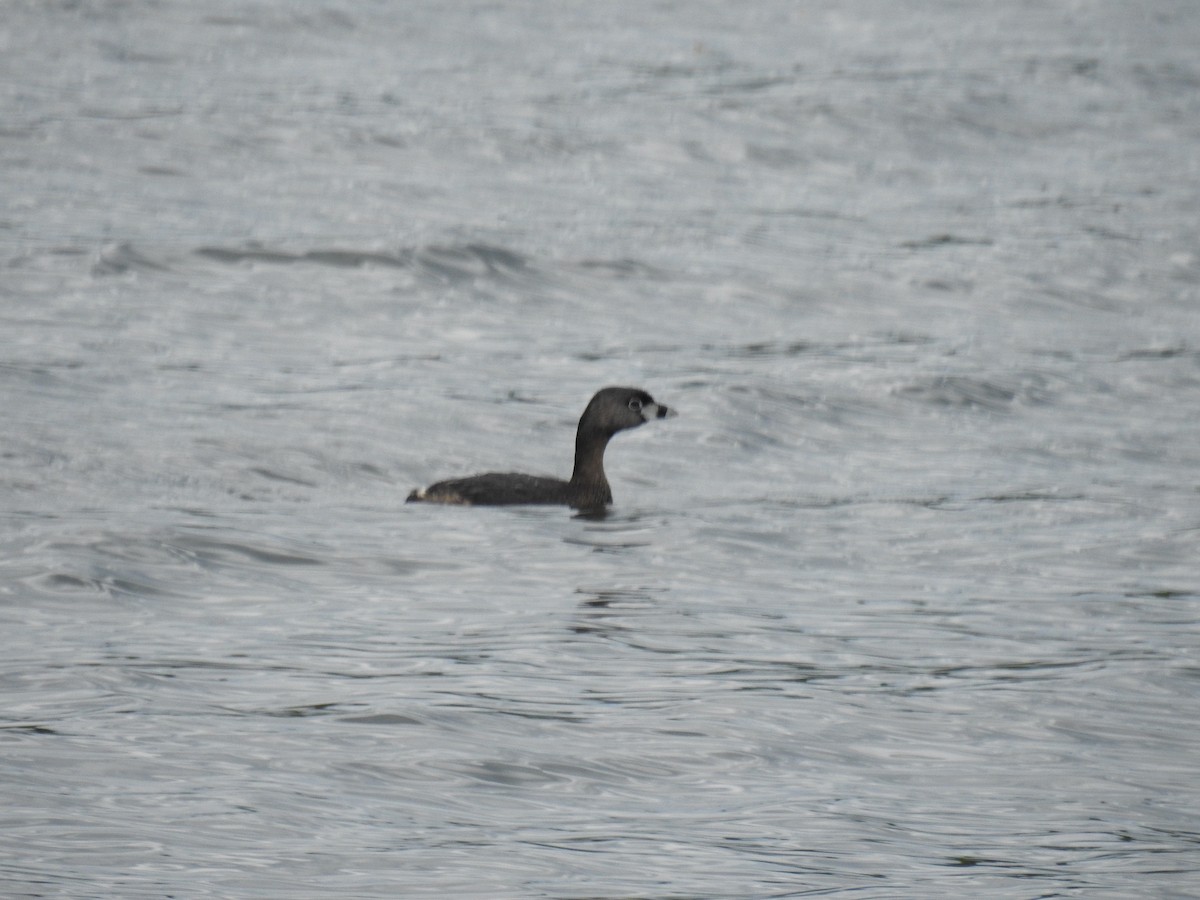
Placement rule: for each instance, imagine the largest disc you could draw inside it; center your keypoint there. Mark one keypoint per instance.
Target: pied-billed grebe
(613, 409)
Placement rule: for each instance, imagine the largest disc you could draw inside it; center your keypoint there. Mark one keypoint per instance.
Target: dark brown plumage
(611, 410)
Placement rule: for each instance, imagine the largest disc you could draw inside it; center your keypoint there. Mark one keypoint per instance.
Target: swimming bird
(611, 410)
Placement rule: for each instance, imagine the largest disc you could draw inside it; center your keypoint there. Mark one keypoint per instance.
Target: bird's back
(496, 489)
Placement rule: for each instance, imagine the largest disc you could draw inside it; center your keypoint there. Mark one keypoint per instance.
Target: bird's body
(496, 489)
(611, 410)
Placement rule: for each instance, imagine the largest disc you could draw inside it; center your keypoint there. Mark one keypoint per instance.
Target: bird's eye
(635, 404)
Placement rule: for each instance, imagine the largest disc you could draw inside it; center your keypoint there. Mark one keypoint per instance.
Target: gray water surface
(905, 603)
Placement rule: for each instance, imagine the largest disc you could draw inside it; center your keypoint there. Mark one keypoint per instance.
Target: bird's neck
(589, 462)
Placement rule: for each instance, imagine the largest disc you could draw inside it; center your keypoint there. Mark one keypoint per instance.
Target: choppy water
(906, 603)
